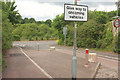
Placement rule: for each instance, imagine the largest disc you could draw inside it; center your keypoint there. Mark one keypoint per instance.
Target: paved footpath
(20, 67)
(44, 64)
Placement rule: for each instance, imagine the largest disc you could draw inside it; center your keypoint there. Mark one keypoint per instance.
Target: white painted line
(45, 73)
(108, 57)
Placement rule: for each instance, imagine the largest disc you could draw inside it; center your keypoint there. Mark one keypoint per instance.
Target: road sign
(75, 12)
(64, 30)
(116, 23)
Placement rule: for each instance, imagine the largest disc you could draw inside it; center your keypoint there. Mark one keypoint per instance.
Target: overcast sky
(48, 9)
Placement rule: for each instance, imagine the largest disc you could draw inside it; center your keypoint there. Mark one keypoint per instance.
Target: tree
(88, 34)
(9, 7)
(38, 22)
(32, 20)
(25, 20)
(102, 19)
(48, 22)
(6, 31)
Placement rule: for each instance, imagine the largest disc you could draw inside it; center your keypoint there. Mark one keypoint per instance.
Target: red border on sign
(115, 22)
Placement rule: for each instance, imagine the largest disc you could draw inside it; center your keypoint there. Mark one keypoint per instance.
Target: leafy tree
(38, 22)
(88, 34)
(32, 20)
(48, 22)
(59, 22)
(9, 9)
(25, 20)
(32, 31)
(102, 19)
(6, 31)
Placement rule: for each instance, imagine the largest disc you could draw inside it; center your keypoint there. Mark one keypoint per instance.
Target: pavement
(18, 66)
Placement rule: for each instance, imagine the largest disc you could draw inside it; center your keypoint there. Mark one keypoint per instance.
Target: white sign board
(75, 12)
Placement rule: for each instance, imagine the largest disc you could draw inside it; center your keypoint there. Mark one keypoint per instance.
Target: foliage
(89, 33)
(108, 35)
(95, 33)
(48, 22)
(6, 31)
(26, 20)
(9, 9)
(4, 62)
(117, 44)
(102, 19)
(32, 31)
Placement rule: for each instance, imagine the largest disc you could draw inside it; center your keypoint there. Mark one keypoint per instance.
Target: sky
(48, 9)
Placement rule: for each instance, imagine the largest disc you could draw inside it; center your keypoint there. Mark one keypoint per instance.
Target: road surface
(56, 64)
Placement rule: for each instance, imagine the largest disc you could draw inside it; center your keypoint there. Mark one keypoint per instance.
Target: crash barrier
(38, 46)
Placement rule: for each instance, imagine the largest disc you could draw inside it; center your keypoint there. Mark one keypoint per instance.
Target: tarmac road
(56, 63)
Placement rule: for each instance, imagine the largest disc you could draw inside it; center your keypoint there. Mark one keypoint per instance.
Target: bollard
(26, 46)
(86, 58)
(38, 46)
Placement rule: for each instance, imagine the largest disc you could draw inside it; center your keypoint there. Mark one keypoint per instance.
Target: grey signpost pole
(75, 17)
(65, 33)
(65, 39)
(74, 59)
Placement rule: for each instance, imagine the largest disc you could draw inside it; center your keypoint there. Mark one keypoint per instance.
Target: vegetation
(32, 31)
(95, 33)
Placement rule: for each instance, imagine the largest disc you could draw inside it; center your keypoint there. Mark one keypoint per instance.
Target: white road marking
(45, 73)
(108, 57)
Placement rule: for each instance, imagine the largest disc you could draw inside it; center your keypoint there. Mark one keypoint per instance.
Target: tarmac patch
(14, 55)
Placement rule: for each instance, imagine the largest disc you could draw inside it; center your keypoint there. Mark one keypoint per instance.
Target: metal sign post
(65, 33)
(74, 59)
(74, 12)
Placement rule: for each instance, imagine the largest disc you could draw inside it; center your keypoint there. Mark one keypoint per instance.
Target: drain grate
(17, 54)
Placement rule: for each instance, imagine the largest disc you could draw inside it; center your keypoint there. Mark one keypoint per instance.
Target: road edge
(96, 70)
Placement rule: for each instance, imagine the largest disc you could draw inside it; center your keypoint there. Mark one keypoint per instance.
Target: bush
(4, 63)
(16, 38)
